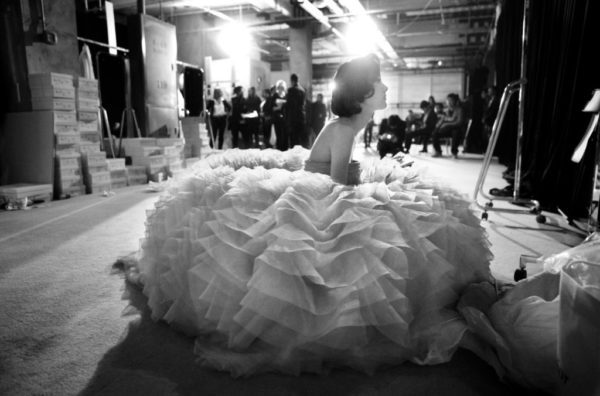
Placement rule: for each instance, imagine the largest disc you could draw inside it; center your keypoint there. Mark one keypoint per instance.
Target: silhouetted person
(252, 127)
(451, 125)
(236, 122)
(368, 133)
(425, 129)
(218, 109)
(318, 114)
(278, 116)
(266, 115)
(295, 113)
(490, 112)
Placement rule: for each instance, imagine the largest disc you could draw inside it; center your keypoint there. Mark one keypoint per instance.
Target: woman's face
(378, 100)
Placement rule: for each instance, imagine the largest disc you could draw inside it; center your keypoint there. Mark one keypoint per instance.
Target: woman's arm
(341, 151)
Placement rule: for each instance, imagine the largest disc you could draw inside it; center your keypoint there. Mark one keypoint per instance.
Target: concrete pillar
(301, 55)
(63, 57)
(194, 43)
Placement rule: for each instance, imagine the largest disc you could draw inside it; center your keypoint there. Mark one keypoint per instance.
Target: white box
(65, 160)
(58, 80)
(52, 104)
(88, 126)
(88, 94)
(98, 178)
(67, 138)
(136, 170)
(52, 92)
(94, 159)
(86, 147)
(133, 142)
(87, 115)
(87, 84)
(66, 128)
(115, 164)
(87, 104)
(22, 190)
(90, 137)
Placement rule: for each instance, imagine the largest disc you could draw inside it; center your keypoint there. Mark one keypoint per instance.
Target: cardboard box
(52, 92)
(53, 104)
(57, 80)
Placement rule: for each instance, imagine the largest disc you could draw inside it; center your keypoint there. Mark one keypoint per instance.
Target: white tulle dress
(275, 268)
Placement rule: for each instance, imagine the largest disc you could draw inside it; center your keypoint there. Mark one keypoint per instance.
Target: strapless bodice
(324, 167)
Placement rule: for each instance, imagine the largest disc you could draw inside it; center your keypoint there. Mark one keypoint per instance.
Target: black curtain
(561, 74)
(508, 69)
(193, 90)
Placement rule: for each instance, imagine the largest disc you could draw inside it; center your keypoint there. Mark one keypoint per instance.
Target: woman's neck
(359, 121)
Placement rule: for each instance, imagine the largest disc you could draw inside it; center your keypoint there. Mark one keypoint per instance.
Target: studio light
(235, 39)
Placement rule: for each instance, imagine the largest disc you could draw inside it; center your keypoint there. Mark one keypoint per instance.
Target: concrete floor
(71, 325)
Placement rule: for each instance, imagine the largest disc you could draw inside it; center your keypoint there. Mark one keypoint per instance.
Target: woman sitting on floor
(273, 267)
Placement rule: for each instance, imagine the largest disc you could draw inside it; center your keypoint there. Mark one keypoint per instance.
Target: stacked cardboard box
(52, 91)
(87, 113)
(88, 99)
(205, 148)
(53, 98)
(19, 195)
(118, 172)
(68, 179)
(146, 152)
(96, 175)
(191, 127)
(136, 174)
(173, 151)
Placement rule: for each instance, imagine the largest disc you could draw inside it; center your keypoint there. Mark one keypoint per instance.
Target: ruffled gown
(275, 268)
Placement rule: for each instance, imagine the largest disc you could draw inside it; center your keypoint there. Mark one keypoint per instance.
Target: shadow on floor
(153, 358)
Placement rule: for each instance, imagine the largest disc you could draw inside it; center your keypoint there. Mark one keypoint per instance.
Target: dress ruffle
(274, 268)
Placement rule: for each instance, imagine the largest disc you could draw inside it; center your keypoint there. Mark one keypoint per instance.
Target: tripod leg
(109, 134)
(135, 123)
(121, 129)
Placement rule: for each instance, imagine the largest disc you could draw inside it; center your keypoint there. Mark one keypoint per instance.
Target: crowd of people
(433, 124)
(282, 118)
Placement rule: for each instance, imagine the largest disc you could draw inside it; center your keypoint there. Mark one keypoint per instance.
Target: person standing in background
(278, 116)
(295, 113)
(318, 115)
(492, 105)
(425, 129)
(218, 109)
(236, 122)
(252, 110)
(451, 126)
(266, 115)
(368, 133)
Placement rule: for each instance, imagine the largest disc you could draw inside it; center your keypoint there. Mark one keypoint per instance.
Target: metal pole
(141, 6)
(518, 162)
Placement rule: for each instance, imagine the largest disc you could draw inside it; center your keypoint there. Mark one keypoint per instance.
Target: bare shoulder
(333, 136)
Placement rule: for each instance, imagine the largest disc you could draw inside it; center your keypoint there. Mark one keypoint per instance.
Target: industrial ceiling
(421, 33)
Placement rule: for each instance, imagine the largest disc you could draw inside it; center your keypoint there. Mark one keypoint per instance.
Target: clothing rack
(101, 44)
(532, 205)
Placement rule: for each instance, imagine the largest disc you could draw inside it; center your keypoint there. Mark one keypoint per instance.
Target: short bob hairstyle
(354, 82)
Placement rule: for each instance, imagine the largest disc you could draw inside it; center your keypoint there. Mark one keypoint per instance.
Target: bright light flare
(235, 39)
(361, 37)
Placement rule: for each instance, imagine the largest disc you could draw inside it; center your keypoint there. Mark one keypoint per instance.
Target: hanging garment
(86, 67)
